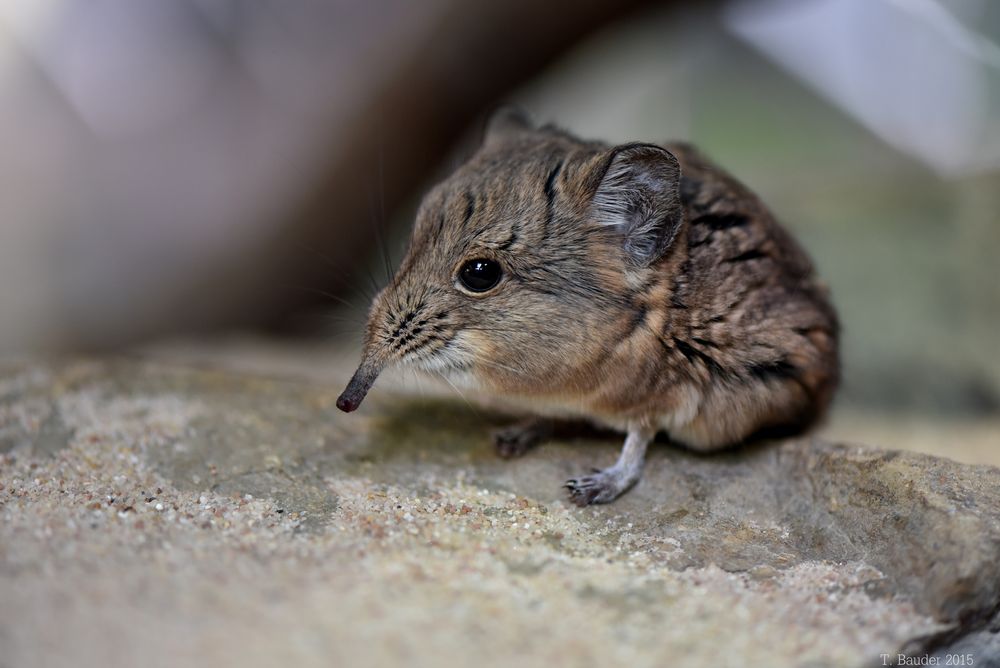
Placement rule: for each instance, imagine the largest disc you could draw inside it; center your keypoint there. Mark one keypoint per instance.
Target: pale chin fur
(453, 363)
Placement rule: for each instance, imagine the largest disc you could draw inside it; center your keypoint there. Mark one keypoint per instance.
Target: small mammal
(637, 286)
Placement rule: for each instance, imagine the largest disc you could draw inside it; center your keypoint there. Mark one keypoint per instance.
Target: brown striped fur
(643, 288)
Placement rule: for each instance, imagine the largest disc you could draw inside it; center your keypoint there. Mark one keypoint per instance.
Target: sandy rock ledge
(159, 516)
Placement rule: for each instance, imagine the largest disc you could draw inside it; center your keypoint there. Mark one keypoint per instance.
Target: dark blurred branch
(459, 70)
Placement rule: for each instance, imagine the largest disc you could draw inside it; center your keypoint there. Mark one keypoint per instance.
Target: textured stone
(170, 516)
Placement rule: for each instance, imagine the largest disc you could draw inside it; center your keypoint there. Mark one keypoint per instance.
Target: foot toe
(589, 490)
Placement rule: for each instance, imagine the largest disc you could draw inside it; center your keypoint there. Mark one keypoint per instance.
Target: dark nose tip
(361, 382)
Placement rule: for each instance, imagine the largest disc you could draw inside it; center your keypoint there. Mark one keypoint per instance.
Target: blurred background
(219, 181)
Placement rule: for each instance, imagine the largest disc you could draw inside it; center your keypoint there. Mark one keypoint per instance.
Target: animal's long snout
(361, 382)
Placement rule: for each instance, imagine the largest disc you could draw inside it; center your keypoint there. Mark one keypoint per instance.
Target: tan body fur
(642, 288)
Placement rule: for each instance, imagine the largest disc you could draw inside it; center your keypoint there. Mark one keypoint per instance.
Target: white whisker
(460, 393)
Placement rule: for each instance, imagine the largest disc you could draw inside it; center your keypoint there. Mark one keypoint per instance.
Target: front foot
(516, 440)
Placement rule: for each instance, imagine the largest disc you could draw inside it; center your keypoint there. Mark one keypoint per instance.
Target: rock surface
(161, 515)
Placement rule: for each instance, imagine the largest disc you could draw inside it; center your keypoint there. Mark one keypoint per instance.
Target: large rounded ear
(639, 192)
(506, 123)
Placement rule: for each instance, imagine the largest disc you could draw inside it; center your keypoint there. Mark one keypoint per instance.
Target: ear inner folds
(639, 193)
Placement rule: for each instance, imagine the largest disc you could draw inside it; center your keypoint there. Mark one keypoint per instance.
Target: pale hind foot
(606, 485)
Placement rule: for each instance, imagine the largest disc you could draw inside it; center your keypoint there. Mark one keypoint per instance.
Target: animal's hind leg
(606, 485)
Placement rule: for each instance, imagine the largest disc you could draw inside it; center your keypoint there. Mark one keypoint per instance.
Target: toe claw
(600, 487)
(583, 491)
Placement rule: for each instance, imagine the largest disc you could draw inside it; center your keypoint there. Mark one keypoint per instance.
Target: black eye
(480, 275)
